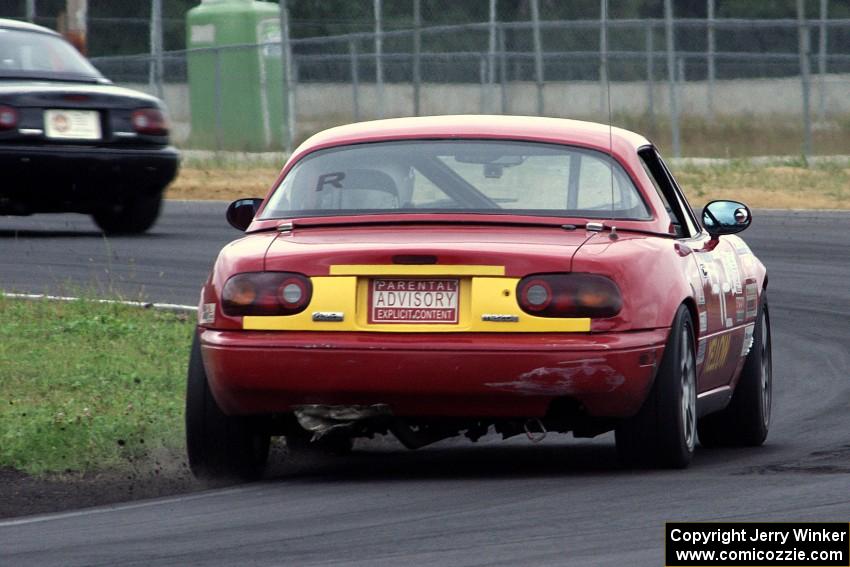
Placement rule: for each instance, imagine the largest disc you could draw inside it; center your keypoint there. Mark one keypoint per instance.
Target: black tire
(133, 216)
(663, 432)
(220, 447)
(746, 420)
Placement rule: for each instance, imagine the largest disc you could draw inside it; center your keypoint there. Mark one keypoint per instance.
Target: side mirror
(725, 217)
(241, 212)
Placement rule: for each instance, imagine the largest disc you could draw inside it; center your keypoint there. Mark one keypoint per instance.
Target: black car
(71, 141)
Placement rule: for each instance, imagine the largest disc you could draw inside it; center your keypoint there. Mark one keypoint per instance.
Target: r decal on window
(332, 179)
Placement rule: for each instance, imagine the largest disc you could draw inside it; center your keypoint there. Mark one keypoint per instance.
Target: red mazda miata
(438, 276)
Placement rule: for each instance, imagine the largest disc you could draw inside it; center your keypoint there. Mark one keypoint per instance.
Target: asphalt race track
(68, 255)
(560, 502)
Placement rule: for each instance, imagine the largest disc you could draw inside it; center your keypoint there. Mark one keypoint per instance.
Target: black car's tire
(663, 433)
(746, 420)
(220, 447)
(135, 215)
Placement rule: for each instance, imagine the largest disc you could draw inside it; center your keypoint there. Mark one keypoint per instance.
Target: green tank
(247, 113)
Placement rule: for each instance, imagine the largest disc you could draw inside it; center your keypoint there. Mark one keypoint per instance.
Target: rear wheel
(132, 216)
(746, 419)
(220, 447)
(663, 433)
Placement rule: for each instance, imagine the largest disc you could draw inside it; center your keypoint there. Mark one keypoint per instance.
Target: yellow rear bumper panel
(482, 293)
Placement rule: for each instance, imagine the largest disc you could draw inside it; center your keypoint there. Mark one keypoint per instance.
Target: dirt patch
(832, 461)
(223, 184)
(162, 473)
(758, 198)
(769, 187)
(22, 494)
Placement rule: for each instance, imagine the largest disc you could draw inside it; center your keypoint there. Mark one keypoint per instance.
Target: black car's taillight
(266, 293)
(569, 295)
(149, 121)
(8, 118)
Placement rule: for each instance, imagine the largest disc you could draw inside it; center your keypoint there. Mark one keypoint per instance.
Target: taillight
(293, 293)
(149, 121)
(8, 118)
(536, 295)
(569, 295)
(266, 293)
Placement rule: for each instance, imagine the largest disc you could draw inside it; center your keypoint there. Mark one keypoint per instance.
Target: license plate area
(414, 301)
(72, 124)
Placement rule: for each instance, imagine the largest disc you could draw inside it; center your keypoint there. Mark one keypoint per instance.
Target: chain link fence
(715, 87)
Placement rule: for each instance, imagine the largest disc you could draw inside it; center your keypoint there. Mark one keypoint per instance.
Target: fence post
(417, 56)
(503, 69)
(379, 71)
(710, 39)
(76, 24)
(355, 79)
(538, 54)
(288, 132)
(30, 10)
(491, 60)
(650, 76)
(217, 103)
(671, 77)
(805, 76)
(482, 77)
(292, 99)
(604, 85)
(822, 62)
(155, 67)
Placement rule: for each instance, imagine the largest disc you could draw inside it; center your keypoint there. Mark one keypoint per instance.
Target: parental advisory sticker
(762, 544)
(396, 300)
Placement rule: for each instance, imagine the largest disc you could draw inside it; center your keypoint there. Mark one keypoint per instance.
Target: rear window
(25, 54)
(458, 176)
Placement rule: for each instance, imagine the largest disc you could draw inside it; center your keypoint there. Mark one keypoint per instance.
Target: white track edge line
(142, 304)
(122, 507)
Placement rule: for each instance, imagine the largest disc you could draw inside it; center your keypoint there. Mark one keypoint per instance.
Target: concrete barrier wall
(577, 99)
(321, 104)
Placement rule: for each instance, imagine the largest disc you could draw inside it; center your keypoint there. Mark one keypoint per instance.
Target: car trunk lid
(518, 250)
(420, 278)
(73, 113)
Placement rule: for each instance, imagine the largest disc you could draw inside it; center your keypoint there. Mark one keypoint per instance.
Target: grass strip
(87, 386)
(789, 185)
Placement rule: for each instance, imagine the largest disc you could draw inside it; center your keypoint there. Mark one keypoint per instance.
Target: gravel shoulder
(24, 495)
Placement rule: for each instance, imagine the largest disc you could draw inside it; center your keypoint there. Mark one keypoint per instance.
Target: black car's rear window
(508, 177)
(25, 54)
